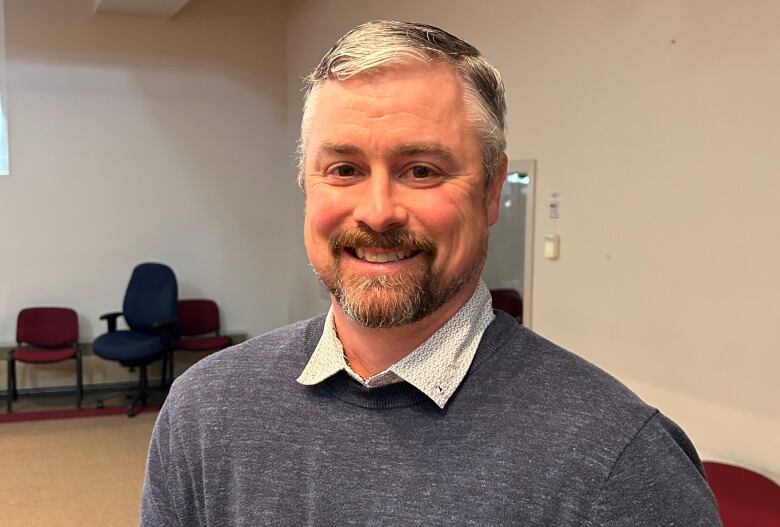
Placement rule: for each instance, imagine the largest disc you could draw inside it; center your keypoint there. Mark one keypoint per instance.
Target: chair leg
(79, 380)
(170, 377)
(10, 384)
(144, 384)
(140, 397)
(164, 372)
(140, 394)
(15, 391)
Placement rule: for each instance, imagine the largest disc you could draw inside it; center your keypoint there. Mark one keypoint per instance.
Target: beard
(392, 299)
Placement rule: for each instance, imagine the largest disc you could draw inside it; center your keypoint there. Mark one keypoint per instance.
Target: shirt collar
(436, 367)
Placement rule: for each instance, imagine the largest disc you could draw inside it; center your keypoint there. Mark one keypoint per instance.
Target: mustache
(362, 237)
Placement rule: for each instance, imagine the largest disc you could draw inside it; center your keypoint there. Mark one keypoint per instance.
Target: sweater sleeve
(157, 502)
(657, 480)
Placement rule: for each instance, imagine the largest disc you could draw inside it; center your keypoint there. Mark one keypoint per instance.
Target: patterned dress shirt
(436, 367)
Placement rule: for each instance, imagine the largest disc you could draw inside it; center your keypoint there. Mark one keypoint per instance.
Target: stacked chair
(45, 335)
(199, 326)
(149, 309)
(745, 498)
(508, 300)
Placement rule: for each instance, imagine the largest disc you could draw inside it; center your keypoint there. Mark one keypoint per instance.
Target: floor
(73, 472)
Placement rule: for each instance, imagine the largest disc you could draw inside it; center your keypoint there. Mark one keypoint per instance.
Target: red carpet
(69, 414)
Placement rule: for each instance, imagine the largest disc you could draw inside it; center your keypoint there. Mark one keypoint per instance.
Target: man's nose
(379, 205)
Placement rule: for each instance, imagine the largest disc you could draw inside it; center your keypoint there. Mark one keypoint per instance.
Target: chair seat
(41, 355)
(744, 497)
(203, 343)
(131, 348)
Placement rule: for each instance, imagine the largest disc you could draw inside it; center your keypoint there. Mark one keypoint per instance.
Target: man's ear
(494, 191)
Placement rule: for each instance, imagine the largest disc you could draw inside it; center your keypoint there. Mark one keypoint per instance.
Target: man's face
(397, 212)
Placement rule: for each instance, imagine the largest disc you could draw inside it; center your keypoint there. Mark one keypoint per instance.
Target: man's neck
(370, 351)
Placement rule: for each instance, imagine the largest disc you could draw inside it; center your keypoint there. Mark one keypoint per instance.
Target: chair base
(138, 397)
(134, 401)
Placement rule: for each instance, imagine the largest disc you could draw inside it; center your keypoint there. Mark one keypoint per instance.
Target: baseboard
(48, 391)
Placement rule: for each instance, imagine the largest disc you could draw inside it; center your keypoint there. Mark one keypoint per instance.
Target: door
(510, 251)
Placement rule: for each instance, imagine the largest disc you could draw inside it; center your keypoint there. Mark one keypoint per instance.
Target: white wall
(136, 139)
(657, 123)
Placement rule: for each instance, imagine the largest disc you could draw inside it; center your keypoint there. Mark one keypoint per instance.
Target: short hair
(380, 45)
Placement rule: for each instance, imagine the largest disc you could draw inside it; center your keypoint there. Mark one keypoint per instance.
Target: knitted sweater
(533, 436)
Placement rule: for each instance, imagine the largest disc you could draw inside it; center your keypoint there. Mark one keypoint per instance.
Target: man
(411, 402)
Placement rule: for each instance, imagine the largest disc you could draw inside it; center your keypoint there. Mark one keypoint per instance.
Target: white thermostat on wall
(551, 244)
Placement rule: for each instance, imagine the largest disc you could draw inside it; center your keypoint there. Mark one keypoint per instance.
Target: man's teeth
(381, 256)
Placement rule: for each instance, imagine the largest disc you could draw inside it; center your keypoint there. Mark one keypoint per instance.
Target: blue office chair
(149, 309)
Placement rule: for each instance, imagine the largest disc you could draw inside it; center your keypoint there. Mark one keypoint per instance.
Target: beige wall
(136, 139)
(657, 122)
(139, 139)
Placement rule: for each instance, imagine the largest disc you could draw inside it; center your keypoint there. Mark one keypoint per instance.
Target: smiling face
(397, 212)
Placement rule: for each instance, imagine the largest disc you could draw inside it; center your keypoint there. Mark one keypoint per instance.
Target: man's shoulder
(564, 405)
(544, 375)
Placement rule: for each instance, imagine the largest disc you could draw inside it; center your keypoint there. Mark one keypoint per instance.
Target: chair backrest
(508, 300)
(47, 327)
(151, 297)
(198, 316)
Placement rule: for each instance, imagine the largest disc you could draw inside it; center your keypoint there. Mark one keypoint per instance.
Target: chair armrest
(110, 318)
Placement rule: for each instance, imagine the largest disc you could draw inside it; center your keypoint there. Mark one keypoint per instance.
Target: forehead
(424, 102)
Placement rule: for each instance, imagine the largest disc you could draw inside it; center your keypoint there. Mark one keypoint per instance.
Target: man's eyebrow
(431, 149)
(406, 149)
(338, 148)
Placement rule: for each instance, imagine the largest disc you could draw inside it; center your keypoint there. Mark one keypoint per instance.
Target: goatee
(391, 299)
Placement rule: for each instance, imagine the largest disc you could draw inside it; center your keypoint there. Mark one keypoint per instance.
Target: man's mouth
(381, 247)
(381, 255)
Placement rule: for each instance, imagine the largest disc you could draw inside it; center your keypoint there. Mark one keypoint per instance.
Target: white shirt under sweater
(436, 367)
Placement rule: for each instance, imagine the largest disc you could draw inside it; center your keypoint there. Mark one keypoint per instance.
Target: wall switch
(551, 243)
(555, 205)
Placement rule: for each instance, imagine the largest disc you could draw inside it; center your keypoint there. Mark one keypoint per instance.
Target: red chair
(199, 326)
(745, 498)
(45, 335)
(508, 300)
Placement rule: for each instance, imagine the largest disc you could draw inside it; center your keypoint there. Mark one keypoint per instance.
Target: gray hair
(381, 44)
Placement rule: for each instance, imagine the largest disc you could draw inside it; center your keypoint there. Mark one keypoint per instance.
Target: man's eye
(421, 172)
(343, 171)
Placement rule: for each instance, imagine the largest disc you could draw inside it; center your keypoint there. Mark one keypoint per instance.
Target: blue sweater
(533, 436)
